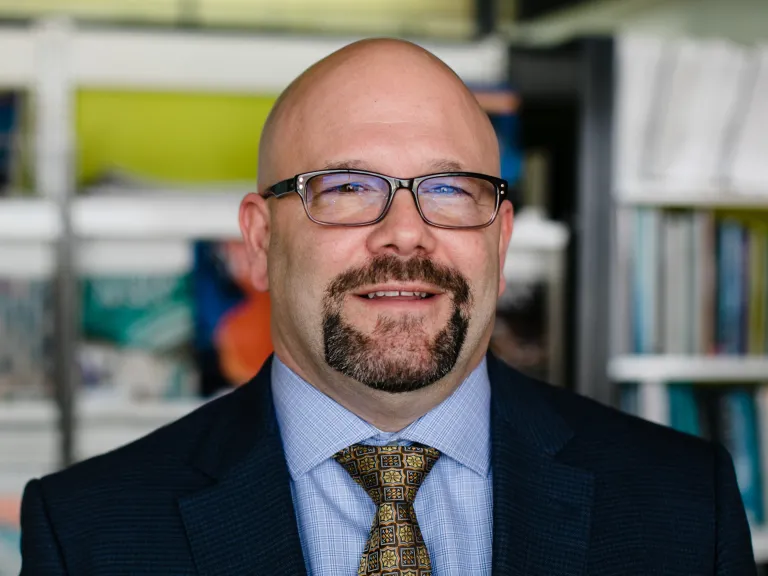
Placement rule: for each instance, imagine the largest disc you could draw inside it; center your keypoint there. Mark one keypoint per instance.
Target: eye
(346, 188)
(446, 190)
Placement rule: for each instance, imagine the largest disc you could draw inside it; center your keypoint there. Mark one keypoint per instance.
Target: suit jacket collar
(244, 521)
(542, 507)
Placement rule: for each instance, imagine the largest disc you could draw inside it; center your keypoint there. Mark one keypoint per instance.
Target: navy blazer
(578, 488)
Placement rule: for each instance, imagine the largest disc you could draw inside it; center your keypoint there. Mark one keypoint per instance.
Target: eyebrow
(439, 165)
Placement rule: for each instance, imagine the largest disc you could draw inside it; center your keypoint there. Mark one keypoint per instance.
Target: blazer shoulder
(596, 424)
(599, 432)
(162, 455)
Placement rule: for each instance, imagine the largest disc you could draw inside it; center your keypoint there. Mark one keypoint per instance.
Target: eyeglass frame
(296, 184)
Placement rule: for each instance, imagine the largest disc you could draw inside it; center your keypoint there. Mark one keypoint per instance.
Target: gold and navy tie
(392, 475)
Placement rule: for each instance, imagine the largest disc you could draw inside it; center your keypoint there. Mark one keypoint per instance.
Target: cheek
(315, 258)
(476, 257)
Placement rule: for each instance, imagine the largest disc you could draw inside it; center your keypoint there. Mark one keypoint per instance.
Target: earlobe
(254, 220)
(506, 222)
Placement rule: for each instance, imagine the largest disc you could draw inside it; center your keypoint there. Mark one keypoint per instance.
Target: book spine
(645, 284)
(739, 434)
(744, 288)
(636, 282)
(707, 278)
(757, 290)
(652, 270)
(683, 409)
(761, 399)
(730, 292)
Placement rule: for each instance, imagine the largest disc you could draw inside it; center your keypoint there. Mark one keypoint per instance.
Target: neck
(386, 411)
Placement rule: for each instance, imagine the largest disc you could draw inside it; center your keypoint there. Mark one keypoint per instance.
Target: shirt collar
(314, 427)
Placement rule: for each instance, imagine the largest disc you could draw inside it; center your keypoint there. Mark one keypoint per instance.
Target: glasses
(360, 198)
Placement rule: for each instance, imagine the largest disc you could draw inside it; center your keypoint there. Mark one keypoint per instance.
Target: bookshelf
(689, 251)
(56, 233)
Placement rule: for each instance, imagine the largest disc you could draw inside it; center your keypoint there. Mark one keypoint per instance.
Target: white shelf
(253, 63)
(28, 412)
(531, 232)
(760, 544)
(45, 412)
(29, 219)
(688, 368)
(17, 70)
(101, 412)
(692, 199)
(157, 215)
(211, 62)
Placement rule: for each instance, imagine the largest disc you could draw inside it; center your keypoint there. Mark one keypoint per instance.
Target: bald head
(392, 108)
(369, 92)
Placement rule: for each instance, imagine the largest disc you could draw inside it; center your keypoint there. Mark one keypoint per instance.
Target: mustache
(387, 268)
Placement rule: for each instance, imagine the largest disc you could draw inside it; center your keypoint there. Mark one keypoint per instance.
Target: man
(382, 437)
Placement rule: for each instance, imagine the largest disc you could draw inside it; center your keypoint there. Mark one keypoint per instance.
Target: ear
(506, 221)
(255, 228)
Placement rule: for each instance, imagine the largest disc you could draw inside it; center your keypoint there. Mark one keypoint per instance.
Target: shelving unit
(660, 264)
(60, 233)
(654, 373)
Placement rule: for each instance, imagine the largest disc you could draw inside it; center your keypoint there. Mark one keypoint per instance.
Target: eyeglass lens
(353, 198)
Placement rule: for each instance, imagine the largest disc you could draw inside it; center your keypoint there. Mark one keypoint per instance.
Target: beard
(399, 355)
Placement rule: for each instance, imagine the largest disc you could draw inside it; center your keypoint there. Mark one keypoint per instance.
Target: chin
(398, 355)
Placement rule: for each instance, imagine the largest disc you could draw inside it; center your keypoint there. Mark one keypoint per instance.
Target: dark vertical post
(485, 11)
(593, 221)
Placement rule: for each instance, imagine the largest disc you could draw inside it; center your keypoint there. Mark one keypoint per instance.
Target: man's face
(353, 297)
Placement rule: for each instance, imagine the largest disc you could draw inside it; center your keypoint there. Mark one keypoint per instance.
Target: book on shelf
(698, 283)
(189, 327)
(12, 136)
(26, 333)
(735, 416)
(10, 533)
(137, 329)
(745, 165)
(232, 320)
(690, 115)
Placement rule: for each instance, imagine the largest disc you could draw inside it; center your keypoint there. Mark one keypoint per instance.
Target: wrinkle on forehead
(380, 84)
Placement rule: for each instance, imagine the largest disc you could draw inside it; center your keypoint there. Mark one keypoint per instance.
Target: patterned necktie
(392, 475)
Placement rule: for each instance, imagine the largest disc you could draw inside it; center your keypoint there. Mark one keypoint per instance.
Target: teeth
(393, 293)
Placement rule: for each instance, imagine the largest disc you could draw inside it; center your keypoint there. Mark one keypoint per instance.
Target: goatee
(399, 355)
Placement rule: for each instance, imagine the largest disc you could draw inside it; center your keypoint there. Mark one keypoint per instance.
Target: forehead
(390, 124)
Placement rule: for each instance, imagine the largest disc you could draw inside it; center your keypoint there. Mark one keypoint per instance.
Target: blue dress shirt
(454, 504)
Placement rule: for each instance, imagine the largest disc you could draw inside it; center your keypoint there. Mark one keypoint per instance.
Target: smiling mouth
(388, 293)
(397, 294)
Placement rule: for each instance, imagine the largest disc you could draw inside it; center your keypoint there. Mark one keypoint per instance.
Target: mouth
(391, 293)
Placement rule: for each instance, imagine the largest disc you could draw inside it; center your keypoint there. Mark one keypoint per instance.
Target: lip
(400, 287)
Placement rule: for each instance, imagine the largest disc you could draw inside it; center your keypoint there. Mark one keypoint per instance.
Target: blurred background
(635, 133)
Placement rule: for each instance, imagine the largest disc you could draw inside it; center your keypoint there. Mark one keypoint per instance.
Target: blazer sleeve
(734, 542)
(40, 551)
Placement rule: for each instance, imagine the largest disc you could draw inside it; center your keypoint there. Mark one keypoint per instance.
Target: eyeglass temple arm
(281, 188)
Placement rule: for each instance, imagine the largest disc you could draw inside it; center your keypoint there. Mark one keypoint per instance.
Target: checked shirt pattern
(392, 475)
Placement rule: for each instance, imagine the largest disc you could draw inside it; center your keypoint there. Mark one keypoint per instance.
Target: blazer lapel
(541, 506)
(244, 521)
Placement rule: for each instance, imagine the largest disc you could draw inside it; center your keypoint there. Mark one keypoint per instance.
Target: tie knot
(388, 473)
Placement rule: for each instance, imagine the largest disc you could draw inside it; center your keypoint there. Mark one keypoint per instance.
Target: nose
(402, 231)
